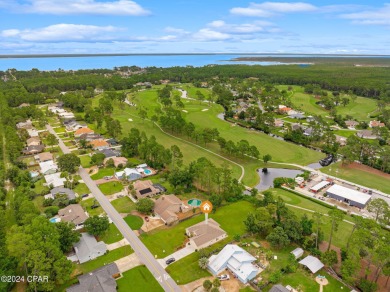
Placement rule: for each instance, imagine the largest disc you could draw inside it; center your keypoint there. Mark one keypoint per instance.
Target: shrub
(51, 211)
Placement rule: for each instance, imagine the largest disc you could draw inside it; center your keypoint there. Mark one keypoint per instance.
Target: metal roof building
(349, 196)
(312, 263)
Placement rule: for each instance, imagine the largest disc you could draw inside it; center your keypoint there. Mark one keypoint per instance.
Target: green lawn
(85, 161)
(81, 189)
(187, 269)
(111, 187)
(39, 187)
(123, 205)
(134, 222)
(111, 235)
(344, 133)
(87, 206)
(106, 259)
(138, 279)
(103, 172)
(230, 218)
(59, 130)
(360, 177)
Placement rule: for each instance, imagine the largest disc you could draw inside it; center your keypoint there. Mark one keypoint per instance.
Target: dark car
(84, 195)
(170, 261)
(94, 206)
(147, 219)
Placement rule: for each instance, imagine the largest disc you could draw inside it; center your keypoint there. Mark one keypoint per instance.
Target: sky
(194, 26)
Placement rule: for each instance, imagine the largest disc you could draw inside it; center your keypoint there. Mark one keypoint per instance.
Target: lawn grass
(111, 235)
(344, 133)
(85, 161)
(81, 189)
(59, 130)
(87, 206)
(39, 187)
(106, 259)
(138, 279)
(123, 205)
(187, 269)
(109, 171)
(169, 239)
(134, 222)
(111, 187)
(367, 179)
(247, 289)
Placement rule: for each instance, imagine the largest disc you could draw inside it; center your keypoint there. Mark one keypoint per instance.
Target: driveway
(181, 253)
(127, 263)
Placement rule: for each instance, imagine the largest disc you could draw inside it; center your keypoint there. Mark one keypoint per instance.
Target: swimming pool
(55, 220)
(147, 171)
(194, 202)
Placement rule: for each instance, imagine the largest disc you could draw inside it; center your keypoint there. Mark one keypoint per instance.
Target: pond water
(267, 179)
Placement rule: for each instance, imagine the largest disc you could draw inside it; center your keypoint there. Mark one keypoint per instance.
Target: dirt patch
(368, 169)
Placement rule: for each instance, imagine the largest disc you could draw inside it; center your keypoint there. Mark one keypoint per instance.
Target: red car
(147, 219)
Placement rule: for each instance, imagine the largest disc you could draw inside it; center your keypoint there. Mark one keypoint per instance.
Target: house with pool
(140, 171)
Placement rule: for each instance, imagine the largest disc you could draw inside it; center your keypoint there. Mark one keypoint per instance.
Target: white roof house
(88, 248)
(298, 252)
(48, 167)
(320, 186)
(32, 133)
(129, 173)
(55, 179)
(235, 259)
(352, 197)
(312, 263)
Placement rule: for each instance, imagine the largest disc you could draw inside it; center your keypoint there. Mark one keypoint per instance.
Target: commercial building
(349, 196)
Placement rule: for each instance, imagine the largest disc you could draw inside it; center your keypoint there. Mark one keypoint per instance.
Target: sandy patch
(185, 111)
(130, 120)
(205, 110)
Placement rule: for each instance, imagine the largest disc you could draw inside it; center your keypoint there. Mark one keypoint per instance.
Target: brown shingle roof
(163, 203)
(203, 233)
(98, 143)
(83, 131)
(73, 213)
(44, 156)
(145, 188)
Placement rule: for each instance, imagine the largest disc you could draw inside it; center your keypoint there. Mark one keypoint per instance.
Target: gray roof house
(298, 252)
(202, 235)
(73, 213)
(99, 280)
(88, 248)
(312, 263)
(279, 288)
(60, 191)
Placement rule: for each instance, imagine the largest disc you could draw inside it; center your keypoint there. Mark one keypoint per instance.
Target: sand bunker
(185, 111)
(130, 120)
(204, 110)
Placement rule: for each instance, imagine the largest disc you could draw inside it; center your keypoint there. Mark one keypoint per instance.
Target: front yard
(87, 206)
(138, 279)
(111, 188)
(134, 222)
(111, 235)
(123, 205)
(109, 171)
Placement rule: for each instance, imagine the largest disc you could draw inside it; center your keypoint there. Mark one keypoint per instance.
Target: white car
(224, 277)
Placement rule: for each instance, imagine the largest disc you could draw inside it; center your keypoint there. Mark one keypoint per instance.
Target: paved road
(166, 282)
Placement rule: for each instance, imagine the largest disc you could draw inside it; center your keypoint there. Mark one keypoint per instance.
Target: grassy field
(111, 235)
(109, 171)
(360, 108)
(108, 258)
(81, 188)
(134, 222)
(85, 161)
(340, 237)
(344, 133)
(87, 206)
(187, 269)
(169, 239)
(123, 205)
(111, 187)
(358, 176)
(138, 279)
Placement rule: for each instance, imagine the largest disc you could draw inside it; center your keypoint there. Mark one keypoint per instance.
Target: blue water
(53, 220)
(109, 62)
(147, 171)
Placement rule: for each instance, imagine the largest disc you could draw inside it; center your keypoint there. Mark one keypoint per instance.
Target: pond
(267, 179)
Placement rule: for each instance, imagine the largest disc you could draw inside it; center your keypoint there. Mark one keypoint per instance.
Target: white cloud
(379, 16)
(62, 33)
(206, 34)
(175, 30)
(268, 9)
(244, 28)
(95, 7)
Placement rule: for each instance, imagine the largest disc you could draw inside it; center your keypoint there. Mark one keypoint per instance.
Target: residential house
(33, 149)
(367, 134)
(145, 188)
(112, 142)
(89, 137)
(66, 115)
(61, 191)
(204, 234)
(284, 110)
(341, 140)
(99, 144)
(82, 131)
(72, 125)
(55, 180)
(167, 207)
(312, 263)
(73, 213)
(110, 152)
(117, 161)
(24, 125)
(237, 260)
(88, 248)
(99, 280)
(351, 124)
(33, 141)
(42, 157)
(295, 127)
(33, 132)
(48, 167)
(278, 123)
(279, 288)
(129, 174)
(296, 115)
(374, 124)
(308, 132)
(24, 104)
